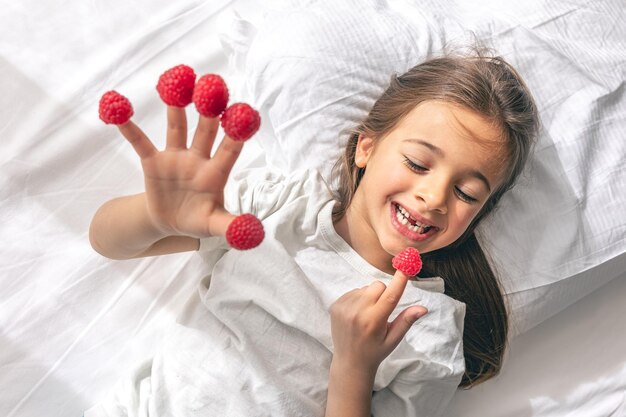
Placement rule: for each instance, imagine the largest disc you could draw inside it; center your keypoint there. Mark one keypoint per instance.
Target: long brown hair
(490, 86)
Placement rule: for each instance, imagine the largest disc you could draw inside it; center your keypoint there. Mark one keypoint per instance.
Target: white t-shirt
(255, 339)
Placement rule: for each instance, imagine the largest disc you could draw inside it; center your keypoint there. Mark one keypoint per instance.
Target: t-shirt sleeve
(430, 362)
(262, 192)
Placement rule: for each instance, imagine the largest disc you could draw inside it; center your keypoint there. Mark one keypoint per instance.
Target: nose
(434, 193)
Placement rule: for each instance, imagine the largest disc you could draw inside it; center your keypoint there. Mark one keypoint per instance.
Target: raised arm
(121, 229)
(184, 193)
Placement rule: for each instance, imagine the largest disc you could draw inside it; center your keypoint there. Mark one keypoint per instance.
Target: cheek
(389, 177)
(396, 179)
(463, 216)
(394, 174)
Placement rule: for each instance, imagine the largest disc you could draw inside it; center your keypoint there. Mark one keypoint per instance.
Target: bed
(72, 322)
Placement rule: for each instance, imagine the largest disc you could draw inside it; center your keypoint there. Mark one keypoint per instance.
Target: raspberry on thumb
(409, 262)
(245, 232)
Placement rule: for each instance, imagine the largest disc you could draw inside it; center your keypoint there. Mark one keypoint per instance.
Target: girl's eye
(418, 168)
(413, 166)
(465, 197)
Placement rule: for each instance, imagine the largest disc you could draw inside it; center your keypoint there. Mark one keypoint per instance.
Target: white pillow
(315, 69)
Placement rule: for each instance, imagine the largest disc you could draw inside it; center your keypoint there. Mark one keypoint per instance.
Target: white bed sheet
(72, 322)
(573, 364)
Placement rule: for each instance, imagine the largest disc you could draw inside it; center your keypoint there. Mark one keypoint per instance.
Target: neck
(354, 229)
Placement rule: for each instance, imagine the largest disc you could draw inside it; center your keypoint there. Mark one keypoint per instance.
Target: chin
(395, 247)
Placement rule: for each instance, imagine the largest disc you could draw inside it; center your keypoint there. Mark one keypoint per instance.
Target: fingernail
(419, 315)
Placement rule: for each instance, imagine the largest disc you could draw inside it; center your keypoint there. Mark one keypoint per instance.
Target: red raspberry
(408, 261)
(114, 108)
(240, 121)
(175, 85)
(245, 232)
(210, 95)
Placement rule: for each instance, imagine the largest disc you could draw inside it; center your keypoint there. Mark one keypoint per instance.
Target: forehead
(459, 132)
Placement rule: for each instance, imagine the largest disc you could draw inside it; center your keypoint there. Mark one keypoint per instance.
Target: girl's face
(424, 182)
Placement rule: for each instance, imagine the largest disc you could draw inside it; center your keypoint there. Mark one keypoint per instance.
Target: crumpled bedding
(72, 323)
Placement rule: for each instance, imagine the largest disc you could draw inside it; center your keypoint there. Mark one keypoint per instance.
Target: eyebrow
(473, 173)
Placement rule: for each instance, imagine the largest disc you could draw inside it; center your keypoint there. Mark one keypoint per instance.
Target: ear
(364, 149)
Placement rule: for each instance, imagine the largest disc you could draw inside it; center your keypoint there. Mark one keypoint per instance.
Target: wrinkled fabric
(255, 340)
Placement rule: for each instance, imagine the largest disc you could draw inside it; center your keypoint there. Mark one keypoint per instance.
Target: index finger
(138, 139)
(390, 298)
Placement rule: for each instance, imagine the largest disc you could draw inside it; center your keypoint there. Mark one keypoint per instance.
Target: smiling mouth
(410, 223)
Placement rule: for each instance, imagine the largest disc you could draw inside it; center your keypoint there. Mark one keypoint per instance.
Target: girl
(434, 156)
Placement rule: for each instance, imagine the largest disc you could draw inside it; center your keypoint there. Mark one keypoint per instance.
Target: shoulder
(271, 176)
(262, 191)
(266, 192)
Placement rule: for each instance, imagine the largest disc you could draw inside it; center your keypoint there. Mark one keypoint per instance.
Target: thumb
(219, 221)
(402, 323)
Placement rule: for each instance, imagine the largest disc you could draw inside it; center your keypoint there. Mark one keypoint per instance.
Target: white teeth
(403, 217)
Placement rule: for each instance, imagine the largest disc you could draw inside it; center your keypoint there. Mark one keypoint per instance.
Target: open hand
(184, 185)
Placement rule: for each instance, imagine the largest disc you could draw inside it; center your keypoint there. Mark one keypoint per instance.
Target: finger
(391, 296)
(398, 328)
(205, 135)
(227, 154)
(141, 143)
(347, 299)
(176, 128)
(375, 290)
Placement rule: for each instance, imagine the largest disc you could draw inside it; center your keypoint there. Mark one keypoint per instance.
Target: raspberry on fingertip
(175, 86)
(114, 108)
(210, 95)
(408, 261)
(240, 121)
